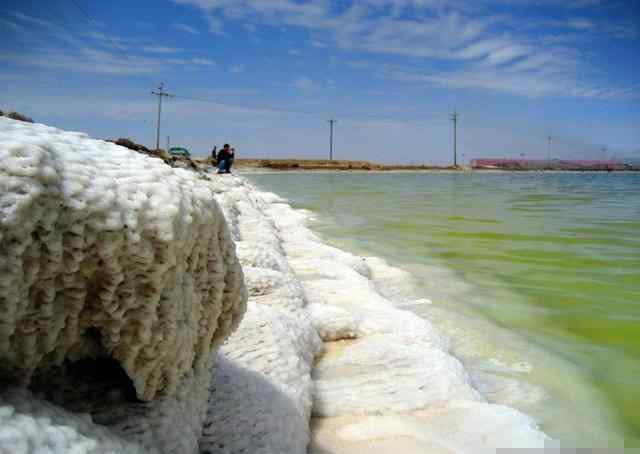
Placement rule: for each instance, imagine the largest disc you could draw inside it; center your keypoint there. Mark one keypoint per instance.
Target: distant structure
(331, 122)
(544, 164)
(454, 118)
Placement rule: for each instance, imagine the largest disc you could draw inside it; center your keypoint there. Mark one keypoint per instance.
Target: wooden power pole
(331, 122)
(454, 118)
(160, 94)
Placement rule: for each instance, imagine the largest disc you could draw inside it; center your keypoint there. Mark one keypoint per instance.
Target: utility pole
(168, 143)
(160, 93)
(331, 122)
(454, 118)
(549, 141)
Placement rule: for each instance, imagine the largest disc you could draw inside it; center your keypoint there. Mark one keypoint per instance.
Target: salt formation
(385, 381)
(29, 424)
(262, 388)
(382, 381)
(106, 252)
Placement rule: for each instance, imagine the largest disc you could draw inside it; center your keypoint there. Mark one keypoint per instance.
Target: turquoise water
(534, 269)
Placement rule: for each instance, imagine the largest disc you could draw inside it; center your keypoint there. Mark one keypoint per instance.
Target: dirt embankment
(323, 164)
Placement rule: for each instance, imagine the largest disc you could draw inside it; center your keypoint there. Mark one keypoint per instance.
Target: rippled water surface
(553, 258)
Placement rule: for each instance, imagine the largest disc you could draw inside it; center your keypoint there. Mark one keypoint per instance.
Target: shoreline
(361, 332)
(512, 369)
(304, 165)
(265, 170)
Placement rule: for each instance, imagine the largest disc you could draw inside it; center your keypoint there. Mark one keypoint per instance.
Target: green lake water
(541, 268)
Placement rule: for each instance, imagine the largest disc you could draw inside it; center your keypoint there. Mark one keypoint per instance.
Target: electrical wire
(94, 22)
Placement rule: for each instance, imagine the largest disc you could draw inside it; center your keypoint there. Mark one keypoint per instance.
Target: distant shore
(324, 164)
(367, 166)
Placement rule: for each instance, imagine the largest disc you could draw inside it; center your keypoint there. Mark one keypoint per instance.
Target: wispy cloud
(185, 28)
(539, 82)
(584, 3)
(581, 23)
(93, 51)
(12, 25)
(236, 69)
(161, 49)
(201, 61)
(302, 83)
(490, 51)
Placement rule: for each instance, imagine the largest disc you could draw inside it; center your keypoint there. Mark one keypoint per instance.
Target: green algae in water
(550, 259)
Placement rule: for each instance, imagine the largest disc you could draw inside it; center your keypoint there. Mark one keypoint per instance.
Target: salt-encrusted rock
(388, 373)
(106, 252)
(333, 323)
(259, 256)
(171, 425)
(16, 116)
(31, 425)
(462, 427)
(261, 388)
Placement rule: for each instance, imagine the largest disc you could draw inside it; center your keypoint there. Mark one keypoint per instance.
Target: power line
(270, 108)
(355, 116)
(121, 51)
(94, 22)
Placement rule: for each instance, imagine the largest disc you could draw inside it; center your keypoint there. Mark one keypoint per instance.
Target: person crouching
(225, 159)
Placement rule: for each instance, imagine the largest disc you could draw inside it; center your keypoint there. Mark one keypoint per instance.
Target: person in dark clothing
(213, 154)
(230, 159)
(225, 159)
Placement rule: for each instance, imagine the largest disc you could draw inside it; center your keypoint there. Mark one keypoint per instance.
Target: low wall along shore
(162, 310)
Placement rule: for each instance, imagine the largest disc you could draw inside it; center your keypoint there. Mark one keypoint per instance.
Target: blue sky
(390, 71)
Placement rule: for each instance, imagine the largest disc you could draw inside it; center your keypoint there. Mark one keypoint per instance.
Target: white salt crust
(109, 252)
(385, 381)
(382, 382)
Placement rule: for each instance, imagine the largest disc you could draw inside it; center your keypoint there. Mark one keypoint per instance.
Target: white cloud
(581, 23)
(540, 82)
(216, 26)
(584, 3)
(302, 83)
(11, 24)
(202, 62)
(493, 52)
(160, 49)
(185, 28)
(94, 52)
(506, 54)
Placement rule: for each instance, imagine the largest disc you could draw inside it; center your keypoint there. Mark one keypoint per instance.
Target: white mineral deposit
(107, 253)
